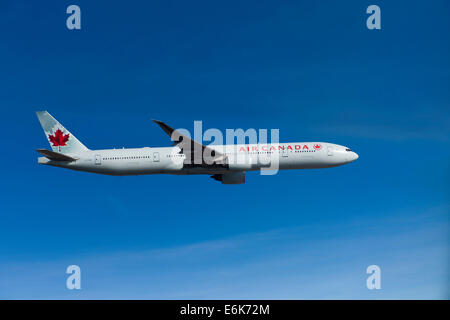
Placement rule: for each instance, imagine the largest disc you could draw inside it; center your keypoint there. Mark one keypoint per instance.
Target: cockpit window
(348, 150)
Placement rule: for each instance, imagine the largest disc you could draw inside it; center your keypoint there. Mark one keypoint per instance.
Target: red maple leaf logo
(317, 146)
(59, 139)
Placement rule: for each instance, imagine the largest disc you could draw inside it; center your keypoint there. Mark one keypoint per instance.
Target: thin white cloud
(299, 262)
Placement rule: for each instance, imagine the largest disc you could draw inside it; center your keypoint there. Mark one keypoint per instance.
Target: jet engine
(230, 178)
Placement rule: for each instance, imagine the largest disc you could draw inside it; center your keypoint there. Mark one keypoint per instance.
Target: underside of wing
(196, 153)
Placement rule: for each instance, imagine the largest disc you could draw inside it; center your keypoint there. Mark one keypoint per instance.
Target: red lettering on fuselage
(274, 148)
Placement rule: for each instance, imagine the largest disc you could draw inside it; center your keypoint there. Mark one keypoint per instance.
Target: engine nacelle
(230, 178)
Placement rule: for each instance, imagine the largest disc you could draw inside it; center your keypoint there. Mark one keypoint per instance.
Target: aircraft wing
(196, 153)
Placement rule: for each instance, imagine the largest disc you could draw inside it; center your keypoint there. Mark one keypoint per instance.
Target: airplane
(225, 163)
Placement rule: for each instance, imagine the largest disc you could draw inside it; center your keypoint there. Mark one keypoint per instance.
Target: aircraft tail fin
(60, 139)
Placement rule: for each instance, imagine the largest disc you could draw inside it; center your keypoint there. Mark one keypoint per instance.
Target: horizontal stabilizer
(55, 155)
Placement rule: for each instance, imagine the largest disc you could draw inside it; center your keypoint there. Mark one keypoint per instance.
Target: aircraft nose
(354, 156)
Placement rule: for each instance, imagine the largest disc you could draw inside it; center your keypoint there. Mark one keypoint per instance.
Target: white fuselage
(301, 155)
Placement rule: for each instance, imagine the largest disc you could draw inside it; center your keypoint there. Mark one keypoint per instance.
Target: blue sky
(311, 69)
